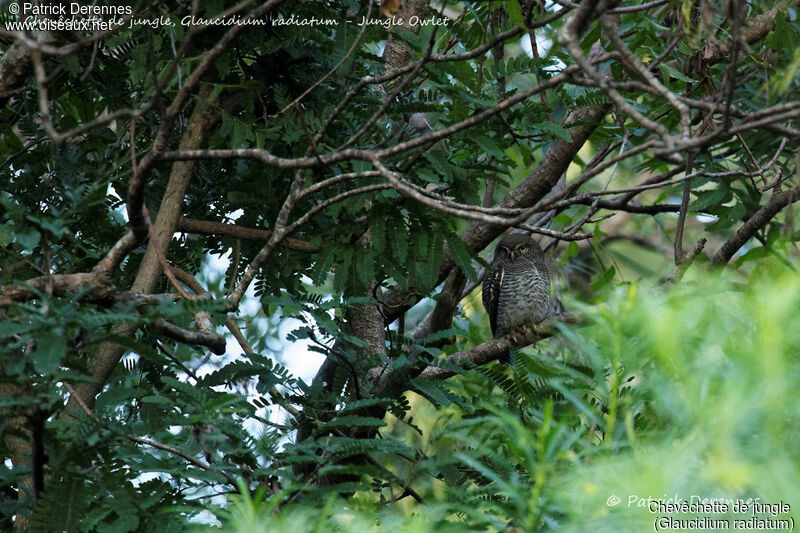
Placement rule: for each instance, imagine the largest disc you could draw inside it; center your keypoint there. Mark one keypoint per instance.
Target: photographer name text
(76, 16)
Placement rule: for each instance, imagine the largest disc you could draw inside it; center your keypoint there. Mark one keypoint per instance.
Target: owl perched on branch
(517, 289)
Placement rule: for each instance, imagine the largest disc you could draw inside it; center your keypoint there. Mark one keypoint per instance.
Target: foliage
(294, 154)
(620, 407)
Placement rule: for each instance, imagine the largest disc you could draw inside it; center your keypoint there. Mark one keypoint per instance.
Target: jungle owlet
(517, 290)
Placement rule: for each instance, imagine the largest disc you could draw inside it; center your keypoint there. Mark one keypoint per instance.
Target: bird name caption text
(698, 513)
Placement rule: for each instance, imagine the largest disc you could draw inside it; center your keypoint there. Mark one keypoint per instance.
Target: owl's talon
(517, 333)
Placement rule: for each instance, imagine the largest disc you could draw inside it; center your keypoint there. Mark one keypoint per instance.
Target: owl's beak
(513, 255)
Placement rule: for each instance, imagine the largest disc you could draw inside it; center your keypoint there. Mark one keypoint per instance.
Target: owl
(517, 289)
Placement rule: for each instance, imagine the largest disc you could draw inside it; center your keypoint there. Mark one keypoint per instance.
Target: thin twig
(632, 61)
(332, 70)
(141, 440)
(687, 188)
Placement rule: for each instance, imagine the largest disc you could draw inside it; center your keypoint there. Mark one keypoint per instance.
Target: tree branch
(201, 121)
(484, 353)
(759, 219)
(208, 227)
(140, 440)
(214, 342)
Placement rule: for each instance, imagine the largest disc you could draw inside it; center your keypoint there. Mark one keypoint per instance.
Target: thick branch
(135, 201)
(93, 287)
(493, 349)
(760, 219)
(483, 353)
(116, 255)
(147, 278)
(58, 285)
(216, 343)
(208, 227)
(16, 62)
(757, 28)
(446, 302)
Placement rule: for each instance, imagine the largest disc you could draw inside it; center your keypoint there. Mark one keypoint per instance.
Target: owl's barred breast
(524, 297)
(516, 290)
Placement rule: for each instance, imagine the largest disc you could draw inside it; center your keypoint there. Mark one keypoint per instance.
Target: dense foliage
(620, 407)
(353, 173)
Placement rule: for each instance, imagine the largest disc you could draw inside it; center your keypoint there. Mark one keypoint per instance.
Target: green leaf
(357, 405)
(489, 146)
(715, 197)
(515, 13)
(350, 421)
(7, 233)
(60, 507)
(50, 349)
(787, 76)
(8, 328)
(556, 129)
(29, 239)
(343, 271)
(462, 256)
(365, 268)
(400, 241)
(433, 390)
(753, 254)
(377, 233)
(668, 71)
(602, 279)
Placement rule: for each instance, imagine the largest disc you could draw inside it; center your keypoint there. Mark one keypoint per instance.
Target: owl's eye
(522, 248)
(502, 251)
